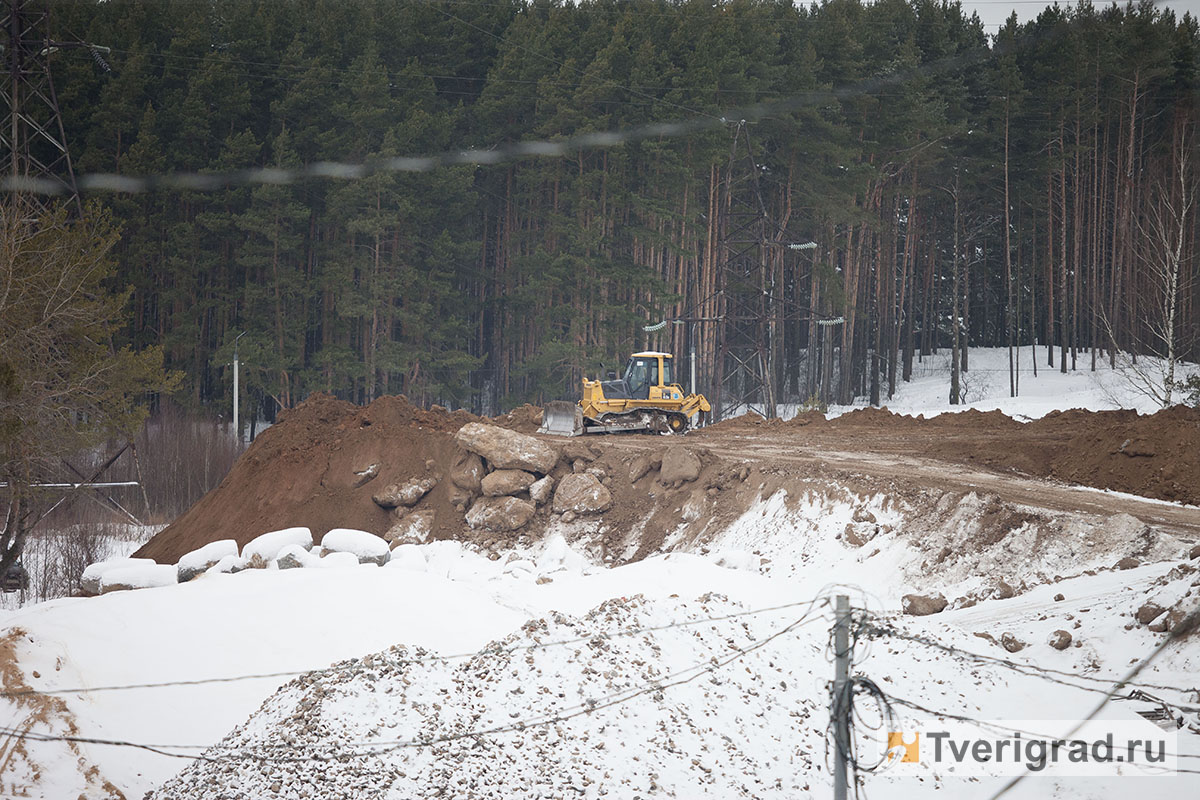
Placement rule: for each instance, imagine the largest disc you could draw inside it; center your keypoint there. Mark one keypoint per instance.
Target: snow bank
(408, 556)
(366, 546)
(337, 561)
(267, 546)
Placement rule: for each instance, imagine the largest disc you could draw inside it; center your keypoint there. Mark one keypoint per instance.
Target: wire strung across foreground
(371, 749)
(492, 649)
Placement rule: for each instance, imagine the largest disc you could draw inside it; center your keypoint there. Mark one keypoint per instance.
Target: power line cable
(1187, 625)
(487, 650)
(678, 678)
(999, 728)
(1033, 670)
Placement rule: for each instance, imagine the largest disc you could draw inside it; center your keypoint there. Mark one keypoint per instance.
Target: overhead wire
(370, 749)
(1046, 673)
(1008, 730)
(842, 704)
(1188, 624)
(492, 649)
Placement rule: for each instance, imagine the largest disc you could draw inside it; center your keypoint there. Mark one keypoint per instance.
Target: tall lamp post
(237, 430)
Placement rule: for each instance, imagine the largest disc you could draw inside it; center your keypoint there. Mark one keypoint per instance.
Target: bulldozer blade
(562, 418)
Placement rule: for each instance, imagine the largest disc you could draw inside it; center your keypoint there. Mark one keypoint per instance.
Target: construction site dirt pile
(302, 471)
(323, 463)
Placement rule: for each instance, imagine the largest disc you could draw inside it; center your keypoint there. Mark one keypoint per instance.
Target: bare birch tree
(1170, 272)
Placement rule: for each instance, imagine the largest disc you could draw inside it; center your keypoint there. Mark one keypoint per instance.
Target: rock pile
(289, 548)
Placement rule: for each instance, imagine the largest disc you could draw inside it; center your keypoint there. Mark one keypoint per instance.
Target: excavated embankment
(324, 463)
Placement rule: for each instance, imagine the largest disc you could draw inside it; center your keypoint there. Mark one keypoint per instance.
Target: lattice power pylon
(743, 369)
(33, 145)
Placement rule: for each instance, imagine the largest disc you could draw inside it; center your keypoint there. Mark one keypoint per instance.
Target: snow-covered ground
(986, 386)
(752, 727)
(444, 641)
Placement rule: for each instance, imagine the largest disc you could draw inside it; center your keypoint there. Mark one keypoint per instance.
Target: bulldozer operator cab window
(640, 375)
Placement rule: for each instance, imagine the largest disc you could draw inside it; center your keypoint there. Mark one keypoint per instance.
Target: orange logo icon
(906, 745)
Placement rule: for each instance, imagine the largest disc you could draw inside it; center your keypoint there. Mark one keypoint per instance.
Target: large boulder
(643, 464)
(404, 494)
(201, 560)
(140, 576)
(364, 474)
(263, 549)
(1149, 612)
(89, 582)
(1060, 640)
(500, 513)
(679, 466)
(506, 482)
(920, 605)
(1011, 643)
(540, 491)
(366, 546)
(578, 450)
(412, 527)
(296, 557)
(505, 449)
(581, 493)
(467, 471)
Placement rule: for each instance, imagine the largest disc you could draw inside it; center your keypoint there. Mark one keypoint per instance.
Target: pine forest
(916, 184)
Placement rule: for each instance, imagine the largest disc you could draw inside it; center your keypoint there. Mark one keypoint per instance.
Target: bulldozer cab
(647, 374)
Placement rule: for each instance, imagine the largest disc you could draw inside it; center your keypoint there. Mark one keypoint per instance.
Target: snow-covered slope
(751, 727)
(704, 699)
(986, 385)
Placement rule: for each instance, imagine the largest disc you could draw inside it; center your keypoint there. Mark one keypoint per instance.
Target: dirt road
(884, 465)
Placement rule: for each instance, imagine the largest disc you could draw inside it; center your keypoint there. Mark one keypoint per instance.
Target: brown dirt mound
(745, 423)
(1155, 455)
(300, 471)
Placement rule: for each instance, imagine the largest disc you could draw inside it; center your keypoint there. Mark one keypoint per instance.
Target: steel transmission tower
(33, 145)
(743, 372)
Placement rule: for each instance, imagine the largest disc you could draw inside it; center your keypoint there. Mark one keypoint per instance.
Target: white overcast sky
(994, 12)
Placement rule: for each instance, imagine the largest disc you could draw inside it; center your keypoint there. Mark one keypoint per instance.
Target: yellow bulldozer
(646, 398)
